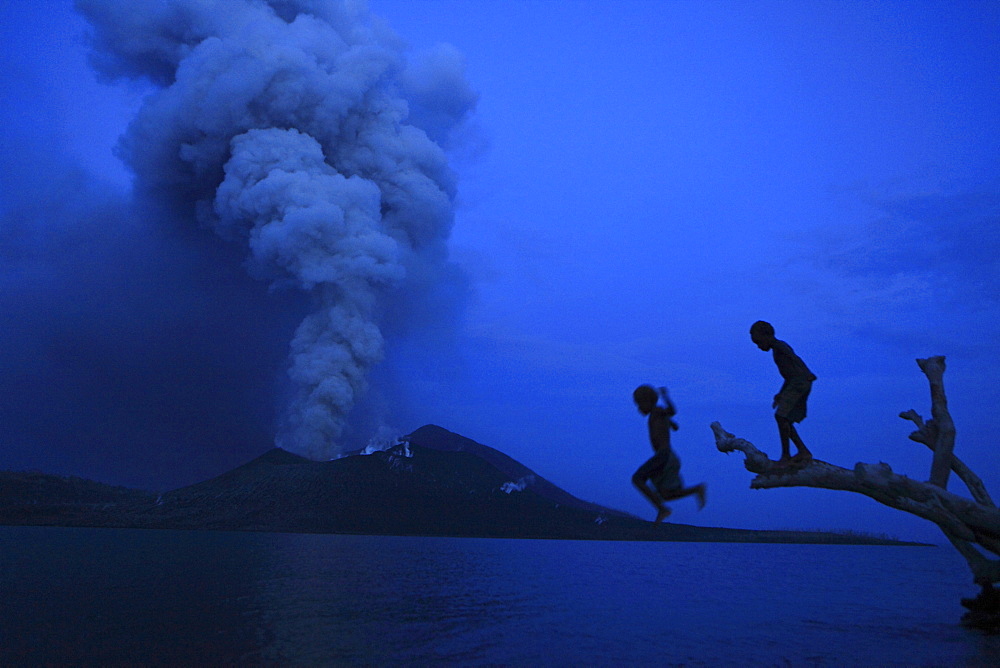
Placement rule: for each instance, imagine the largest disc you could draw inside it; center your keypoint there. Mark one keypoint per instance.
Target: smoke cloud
(298, 131)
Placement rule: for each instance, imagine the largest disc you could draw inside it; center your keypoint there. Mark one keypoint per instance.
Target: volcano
(432, 482)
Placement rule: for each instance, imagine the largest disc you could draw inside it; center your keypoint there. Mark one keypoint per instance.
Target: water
(101, 596)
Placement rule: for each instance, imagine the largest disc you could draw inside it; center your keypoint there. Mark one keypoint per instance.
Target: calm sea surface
(104, 596)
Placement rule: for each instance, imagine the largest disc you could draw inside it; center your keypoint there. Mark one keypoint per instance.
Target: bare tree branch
(944, 443)
(877, 481)
(965, 523)
(927, 434)
(972, 526)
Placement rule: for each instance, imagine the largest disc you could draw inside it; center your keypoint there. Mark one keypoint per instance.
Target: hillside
(433, 482)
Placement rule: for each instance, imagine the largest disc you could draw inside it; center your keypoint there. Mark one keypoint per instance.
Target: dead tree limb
(927, 434)
(944, 446)
(971, 526)
(957, 516)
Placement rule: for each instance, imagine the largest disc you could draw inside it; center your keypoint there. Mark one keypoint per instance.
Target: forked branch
(970, 525)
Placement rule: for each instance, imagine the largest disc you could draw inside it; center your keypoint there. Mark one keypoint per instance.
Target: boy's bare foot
(784, 463)
(802, 457)
(701, 495)
(663, 514)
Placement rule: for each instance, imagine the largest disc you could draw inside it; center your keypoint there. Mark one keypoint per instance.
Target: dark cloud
(951, 237)
(925, 269)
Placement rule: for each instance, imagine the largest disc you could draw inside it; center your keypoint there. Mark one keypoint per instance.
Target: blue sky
(638, 183)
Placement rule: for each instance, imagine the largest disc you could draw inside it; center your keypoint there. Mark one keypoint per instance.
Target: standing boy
(663, 469)
(790, 402)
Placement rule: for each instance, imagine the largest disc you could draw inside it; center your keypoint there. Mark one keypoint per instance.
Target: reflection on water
(96, 597)
(366, 598)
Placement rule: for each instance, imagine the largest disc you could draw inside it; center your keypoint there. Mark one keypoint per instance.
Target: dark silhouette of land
(436, 483)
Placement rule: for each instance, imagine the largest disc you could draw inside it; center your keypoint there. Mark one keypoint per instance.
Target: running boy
(790, 402)
(663, 469)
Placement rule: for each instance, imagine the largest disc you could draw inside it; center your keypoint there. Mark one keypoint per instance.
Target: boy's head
(645, 398)
(762, 333)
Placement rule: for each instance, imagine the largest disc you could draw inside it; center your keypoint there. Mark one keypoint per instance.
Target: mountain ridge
(431, 482)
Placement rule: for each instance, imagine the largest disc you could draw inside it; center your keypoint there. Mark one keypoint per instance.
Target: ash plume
(298, 130)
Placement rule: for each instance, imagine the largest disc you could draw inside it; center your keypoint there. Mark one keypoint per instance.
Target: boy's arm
(669, 407)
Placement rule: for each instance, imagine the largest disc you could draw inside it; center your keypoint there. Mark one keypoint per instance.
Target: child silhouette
(663, 468)
(790, 402)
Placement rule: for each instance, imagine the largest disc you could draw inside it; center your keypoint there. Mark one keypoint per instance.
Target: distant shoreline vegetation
(855, 533)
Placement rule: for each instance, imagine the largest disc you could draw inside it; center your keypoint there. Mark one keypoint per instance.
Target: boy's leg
(641, 481)
(803, 454)
(662, 512)
(790, 407)
(688, 491)
(700, 491)
(648, 492)
(784, 433)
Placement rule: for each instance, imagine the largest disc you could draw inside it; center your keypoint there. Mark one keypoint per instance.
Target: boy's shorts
(664, 470)
(792, 400)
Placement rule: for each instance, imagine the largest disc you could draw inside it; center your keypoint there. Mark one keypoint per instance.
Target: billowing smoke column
(297, 128)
